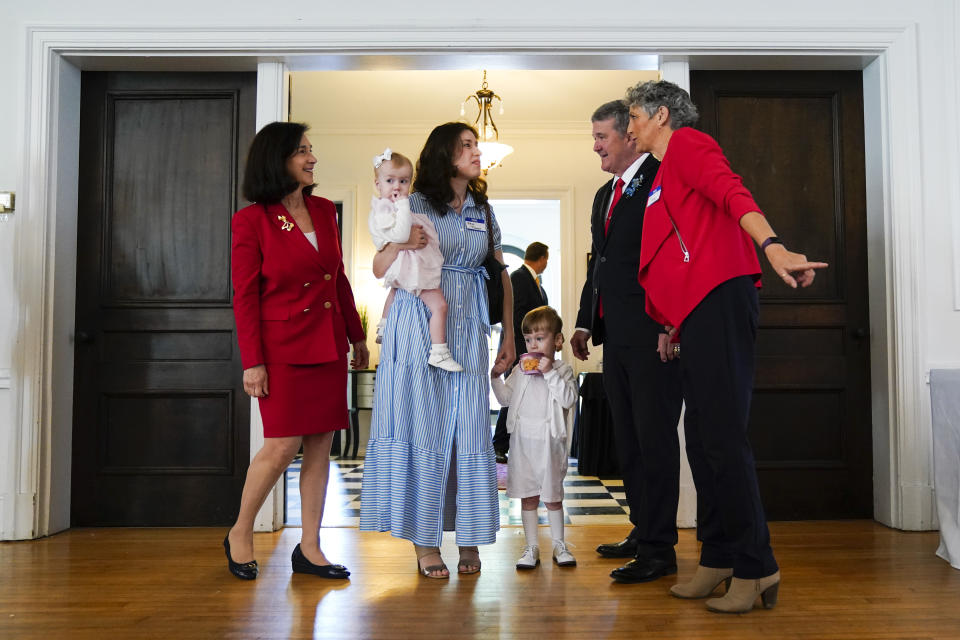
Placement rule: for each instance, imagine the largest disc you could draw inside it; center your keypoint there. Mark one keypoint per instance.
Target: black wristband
(769, 241)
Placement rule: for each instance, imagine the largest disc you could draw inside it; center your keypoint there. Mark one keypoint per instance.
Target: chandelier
(492, 151)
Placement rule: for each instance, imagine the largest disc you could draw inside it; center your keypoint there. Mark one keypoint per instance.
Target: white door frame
(36, 483)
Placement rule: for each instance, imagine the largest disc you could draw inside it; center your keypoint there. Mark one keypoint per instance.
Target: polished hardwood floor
(843, 580)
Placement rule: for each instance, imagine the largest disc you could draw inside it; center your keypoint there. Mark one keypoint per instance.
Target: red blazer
(705, 199)
(292, 303)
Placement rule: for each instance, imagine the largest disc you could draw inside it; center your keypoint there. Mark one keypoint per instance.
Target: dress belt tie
(480, 304)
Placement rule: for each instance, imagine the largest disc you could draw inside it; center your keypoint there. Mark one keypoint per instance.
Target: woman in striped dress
(429, 464)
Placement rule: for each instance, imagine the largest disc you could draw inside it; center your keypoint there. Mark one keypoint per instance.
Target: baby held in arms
(416, 271)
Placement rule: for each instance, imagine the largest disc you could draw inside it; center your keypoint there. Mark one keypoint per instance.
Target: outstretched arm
(708, 171)
(793, 268)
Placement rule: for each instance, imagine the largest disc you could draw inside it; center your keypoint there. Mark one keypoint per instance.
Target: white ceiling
(535, 101)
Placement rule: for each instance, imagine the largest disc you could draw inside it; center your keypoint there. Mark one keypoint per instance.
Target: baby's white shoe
(380, 326)
(530, 558)
(562, 555)
(440, 357)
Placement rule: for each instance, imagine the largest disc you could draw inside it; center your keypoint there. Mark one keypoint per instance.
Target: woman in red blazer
(701, 274)
(296, 320)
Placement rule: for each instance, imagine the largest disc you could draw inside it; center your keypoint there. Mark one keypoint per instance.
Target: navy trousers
(717, 365)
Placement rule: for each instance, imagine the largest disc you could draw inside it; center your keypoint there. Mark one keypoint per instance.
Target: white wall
(932, 27)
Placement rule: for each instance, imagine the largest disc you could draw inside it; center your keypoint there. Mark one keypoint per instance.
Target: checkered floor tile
(587, 499)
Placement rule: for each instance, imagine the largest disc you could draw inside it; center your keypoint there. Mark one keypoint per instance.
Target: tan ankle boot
(704, 583)
(742, 595)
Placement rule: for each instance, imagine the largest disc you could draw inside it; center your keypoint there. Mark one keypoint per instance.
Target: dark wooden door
(161, 424)
(797, 140)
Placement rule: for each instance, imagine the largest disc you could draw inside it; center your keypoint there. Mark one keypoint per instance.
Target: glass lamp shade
(493, 153)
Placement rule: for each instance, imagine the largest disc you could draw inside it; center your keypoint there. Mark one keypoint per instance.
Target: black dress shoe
(244, 571)
(645, 569)
(302, 565)
(626, 548)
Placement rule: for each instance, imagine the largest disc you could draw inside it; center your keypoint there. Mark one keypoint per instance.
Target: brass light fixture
(492, 151)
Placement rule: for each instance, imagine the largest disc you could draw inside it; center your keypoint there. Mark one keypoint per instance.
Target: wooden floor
(844, 580)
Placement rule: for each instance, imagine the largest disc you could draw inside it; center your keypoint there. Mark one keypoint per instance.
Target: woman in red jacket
(701, 274)
(296, 319)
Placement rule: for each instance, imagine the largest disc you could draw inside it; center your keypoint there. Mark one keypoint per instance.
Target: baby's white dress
(413, 270)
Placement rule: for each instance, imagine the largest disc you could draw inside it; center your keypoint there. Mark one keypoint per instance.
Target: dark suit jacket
(292, 303)
(526, 296)
(614, 263)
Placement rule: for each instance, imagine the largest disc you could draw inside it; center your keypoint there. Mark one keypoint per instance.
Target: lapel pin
(633, 186)
(287, 225)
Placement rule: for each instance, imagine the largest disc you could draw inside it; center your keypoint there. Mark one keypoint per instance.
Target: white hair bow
(383, 157)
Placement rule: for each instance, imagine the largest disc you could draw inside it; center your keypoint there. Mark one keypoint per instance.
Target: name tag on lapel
(653, 197)
(475, 224)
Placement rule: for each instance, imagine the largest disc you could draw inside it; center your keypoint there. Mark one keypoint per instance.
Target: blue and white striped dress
(429, 464)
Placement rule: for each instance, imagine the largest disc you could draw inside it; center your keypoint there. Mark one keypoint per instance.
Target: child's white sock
(530, 529)
(561, 555)
(556, 523)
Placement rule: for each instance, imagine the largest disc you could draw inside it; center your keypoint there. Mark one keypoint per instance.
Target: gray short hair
(652, 95)
(618, 111)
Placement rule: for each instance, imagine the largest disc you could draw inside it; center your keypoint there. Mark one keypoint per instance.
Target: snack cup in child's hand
(529, 363)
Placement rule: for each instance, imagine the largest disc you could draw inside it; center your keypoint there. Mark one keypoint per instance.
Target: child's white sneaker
(440, 357)
(530, 558)
(380, 326)
(562, 556)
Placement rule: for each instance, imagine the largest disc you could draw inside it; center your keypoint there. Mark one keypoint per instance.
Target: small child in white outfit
(416, 271)
(539, 392)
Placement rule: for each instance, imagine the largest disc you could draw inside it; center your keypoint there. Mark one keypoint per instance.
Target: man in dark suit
(643, 392)
(528, 294)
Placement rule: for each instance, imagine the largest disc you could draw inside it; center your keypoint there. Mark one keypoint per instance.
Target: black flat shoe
(245, 571)
(626, 548)
(302, 565)
(644, 569)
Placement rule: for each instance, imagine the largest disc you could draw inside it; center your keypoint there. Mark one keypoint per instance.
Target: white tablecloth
(945, 402)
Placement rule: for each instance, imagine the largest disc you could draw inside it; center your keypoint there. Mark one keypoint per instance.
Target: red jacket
(292, 303)
(705, 199)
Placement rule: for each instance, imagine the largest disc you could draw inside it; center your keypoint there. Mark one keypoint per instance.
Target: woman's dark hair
(265, 178)
(435, 167)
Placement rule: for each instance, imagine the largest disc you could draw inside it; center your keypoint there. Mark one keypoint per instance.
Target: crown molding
(629, 37)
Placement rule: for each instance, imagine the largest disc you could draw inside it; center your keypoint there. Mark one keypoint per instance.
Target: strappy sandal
(426, 572)
(469, 557)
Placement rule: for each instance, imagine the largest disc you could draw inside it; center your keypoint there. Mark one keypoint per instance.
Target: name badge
(475, 224)
(653, 197)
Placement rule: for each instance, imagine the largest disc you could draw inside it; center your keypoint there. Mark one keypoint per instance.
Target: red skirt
(305, 399)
